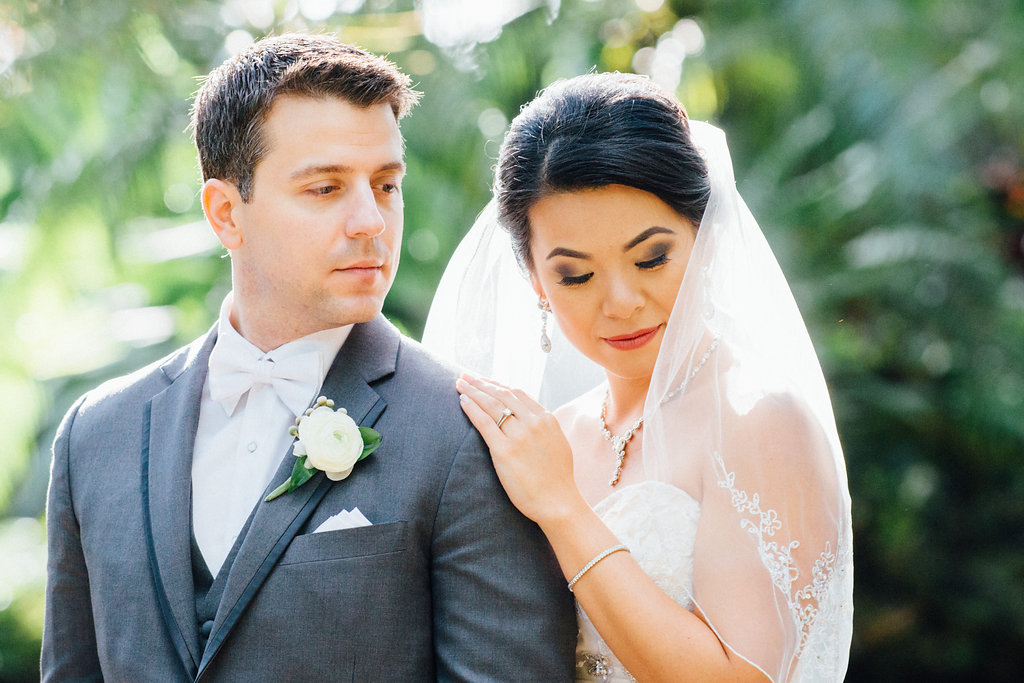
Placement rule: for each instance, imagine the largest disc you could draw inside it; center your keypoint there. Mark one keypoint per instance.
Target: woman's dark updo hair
(592, 131)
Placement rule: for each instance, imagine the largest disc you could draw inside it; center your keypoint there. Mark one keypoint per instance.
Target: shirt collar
(325, 343)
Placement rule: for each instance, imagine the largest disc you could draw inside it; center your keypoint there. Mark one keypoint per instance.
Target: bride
(694, 491)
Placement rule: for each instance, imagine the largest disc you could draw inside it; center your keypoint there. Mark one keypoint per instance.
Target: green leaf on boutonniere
(371, 439)
(300, 475)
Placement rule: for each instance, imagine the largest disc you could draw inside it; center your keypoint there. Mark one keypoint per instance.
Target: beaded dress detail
(659, 524)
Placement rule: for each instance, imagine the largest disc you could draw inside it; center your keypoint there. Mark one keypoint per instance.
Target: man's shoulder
(423, 385)
(414, 358)
(142, 384)
(426, 381)
(388, 352)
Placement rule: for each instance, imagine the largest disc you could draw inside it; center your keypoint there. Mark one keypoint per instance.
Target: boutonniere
(328, 440)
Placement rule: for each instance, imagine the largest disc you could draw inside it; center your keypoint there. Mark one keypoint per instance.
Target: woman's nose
(622, 300)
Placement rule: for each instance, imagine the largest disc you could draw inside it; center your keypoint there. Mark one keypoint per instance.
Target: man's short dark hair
(234, 100)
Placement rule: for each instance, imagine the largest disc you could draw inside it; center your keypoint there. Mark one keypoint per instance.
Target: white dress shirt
(240, 441)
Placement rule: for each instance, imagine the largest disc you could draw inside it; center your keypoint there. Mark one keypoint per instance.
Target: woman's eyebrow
(571, 253)
(655, 230)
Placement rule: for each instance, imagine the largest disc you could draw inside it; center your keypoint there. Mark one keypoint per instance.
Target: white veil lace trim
(752, 436)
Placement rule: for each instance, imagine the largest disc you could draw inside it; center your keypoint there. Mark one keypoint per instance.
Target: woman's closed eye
(571, 280)
(650, 264)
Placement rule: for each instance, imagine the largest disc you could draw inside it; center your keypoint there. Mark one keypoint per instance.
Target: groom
(165, 560)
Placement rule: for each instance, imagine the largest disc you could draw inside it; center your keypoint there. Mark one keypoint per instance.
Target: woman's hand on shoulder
(530, 452)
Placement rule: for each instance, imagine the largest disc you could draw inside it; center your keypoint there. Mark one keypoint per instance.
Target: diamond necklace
(619, 442)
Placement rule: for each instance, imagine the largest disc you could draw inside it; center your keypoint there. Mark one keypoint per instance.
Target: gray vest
(209, 590)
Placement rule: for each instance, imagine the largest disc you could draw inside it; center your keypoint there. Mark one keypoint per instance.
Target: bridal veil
(737, 415)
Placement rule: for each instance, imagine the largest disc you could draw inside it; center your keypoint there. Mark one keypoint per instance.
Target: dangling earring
(545, 340)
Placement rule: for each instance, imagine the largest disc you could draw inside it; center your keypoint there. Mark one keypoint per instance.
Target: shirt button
(252, 446)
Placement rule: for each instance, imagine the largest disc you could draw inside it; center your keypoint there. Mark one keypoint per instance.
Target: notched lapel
(171, 419)
(369, 353)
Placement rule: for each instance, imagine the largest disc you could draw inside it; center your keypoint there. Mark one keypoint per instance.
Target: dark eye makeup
(658, 260)
(570, 280)
(659, 257)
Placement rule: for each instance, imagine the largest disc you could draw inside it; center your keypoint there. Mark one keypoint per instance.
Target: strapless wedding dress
(659, 524)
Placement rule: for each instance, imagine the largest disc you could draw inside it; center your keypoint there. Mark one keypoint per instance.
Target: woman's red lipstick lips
(633, 340)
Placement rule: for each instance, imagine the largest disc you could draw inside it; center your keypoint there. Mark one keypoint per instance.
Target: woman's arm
(652, 635)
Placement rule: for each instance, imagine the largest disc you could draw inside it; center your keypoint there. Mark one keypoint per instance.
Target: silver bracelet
(590, 565)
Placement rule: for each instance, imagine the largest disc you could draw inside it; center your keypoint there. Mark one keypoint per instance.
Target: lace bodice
(659, 524)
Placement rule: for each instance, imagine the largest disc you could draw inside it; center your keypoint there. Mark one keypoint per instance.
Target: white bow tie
(293, 378)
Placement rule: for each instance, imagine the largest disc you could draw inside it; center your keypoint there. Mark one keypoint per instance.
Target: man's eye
(324, 189)
(390, 188)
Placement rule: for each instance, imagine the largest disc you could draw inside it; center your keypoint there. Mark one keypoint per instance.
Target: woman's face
(610, 261)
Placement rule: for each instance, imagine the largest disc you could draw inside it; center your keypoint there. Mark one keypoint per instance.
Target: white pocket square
(346, 519)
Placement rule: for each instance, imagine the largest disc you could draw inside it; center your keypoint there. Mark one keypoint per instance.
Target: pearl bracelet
(590, 565)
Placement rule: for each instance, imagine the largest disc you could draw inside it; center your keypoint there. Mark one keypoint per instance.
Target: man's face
(321, 236)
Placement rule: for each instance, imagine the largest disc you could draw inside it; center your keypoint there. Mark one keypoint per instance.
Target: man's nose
(364, 217)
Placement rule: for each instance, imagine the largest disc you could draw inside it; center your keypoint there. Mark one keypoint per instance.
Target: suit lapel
(171, 418)
(369, 353)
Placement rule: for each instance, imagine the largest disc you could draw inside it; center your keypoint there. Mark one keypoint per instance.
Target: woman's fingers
(481, 419)
(495, 399)
(489, 400)
(517, 395)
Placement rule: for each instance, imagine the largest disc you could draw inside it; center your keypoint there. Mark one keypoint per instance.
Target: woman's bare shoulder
(582, 407)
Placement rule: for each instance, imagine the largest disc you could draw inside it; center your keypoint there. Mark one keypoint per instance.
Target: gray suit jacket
(450, 582)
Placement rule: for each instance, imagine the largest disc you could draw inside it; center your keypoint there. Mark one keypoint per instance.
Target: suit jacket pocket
(377, 539)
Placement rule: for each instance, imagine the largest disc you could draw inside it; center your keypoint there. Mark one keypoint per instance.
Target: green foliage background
(878, 142)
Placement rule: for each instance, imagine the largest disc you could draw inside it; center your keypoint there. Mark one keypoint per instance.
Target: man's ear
(220, 199)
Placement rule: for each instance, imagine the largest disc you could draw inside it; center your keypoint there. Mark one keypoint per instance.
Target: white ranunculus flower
(332, 442)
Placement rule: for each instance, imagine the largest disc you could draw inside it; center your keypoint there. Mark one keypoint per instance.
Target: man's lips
(632, 340)
(361, 268)
(363, 265)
